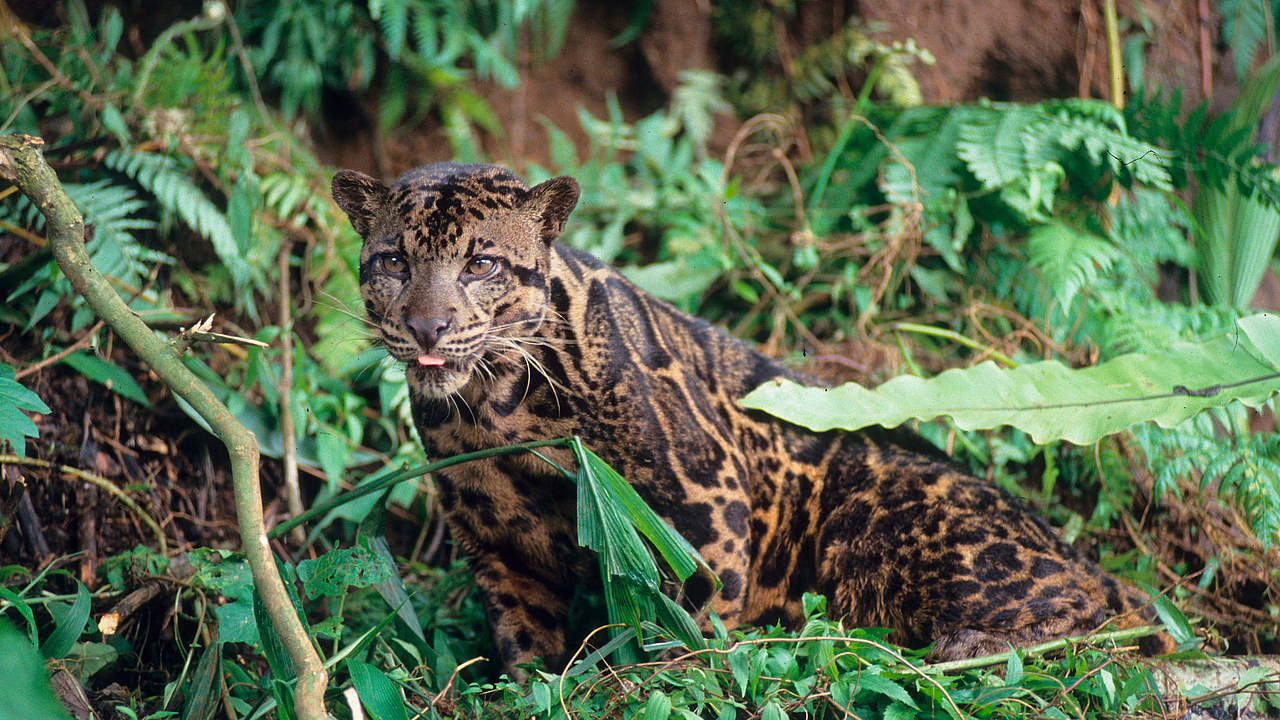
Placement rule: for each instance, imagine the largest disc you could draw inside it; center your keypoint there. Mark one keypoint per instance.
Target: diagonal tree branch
(22, 162)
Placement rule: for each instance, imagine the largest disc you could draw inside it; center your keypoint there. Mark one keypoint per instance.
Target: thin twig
(288, 438)
(82, 341)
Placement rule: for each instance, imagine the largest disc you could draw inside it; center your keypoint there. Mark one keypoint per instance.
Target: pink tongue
(429, 360)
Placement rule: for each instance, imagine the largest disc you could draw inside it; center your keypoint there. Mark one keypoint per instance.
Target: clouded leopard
(509, 336)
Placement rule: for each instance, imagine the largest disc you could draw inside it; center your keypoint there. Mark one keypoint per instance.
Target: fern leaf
(991, 144)
(1096, 110)
(1069, 259)
(1106, 146)
(1244, 28)
(393, 18)
(159, 175)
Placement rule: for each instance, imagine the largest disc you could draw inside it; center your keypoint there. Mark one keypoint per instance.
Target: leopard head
(455, 263)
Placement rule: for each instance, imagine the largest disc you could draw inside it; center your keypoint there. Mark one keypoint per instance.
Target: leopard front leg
(528, 616)
(517, 533)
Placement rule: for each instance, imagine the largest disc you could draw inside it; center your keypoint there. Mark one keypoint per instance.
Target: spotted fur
(550, 342)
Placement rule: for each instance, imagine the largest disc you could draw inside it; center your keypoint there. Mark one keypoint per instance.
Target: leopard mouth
(438, 376)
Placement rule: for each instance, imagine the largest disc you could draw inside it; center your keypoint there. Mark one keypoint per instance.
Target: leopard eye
(394, 264)
(481, 266)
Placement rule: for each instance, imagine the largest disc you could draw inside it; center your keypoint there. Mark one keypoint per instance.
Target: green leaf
(1047, 399)
(1263, 331)
(1174, 621)
(23, 609)
(739, 660)
(25, 691)
(900, 711)
(86, 659)
(676, 619)
(1244, 29)
(991, 143)
(114, 122)
(771, 711)
(15, 426)
(377, 693)
(68, 625)
(109, 374)
(335, 571)
(657, 707)
(1013, 668)
(272, 649)
(880, 685)
(677, 551)
(161, 176)
(203, 694)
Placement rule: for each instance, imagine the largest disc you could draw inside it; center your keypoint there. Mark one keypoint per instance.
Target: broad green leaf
(228, 574)
(677, 551)
(68, 625)
(25, 691)
(336, 570)
(236, 622)
(109, 374)
(771, 711)
(1047, 399)
(900, 711)
(85, 659)
(378, 694)
(1263, 330)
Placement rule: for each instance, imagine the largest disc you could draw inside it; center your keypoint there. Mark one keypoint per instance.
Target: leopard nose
(427, 330)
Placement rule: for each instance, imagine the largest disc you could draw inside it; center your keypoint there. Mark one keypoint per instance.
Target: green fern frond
(1124, 154)
(159, 175)
(1069, 259)
(393, 18)
(992, 146)
(1244, 29)
(114, 250)
(1214, 151)
(112, 211)
(1241, 468)
(1096, 110)
(285, 193)
(1144, 326)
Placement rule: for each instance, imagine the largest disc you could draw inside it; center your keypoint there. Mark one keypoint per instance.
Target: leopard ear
(359, 196)
(552, 201)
